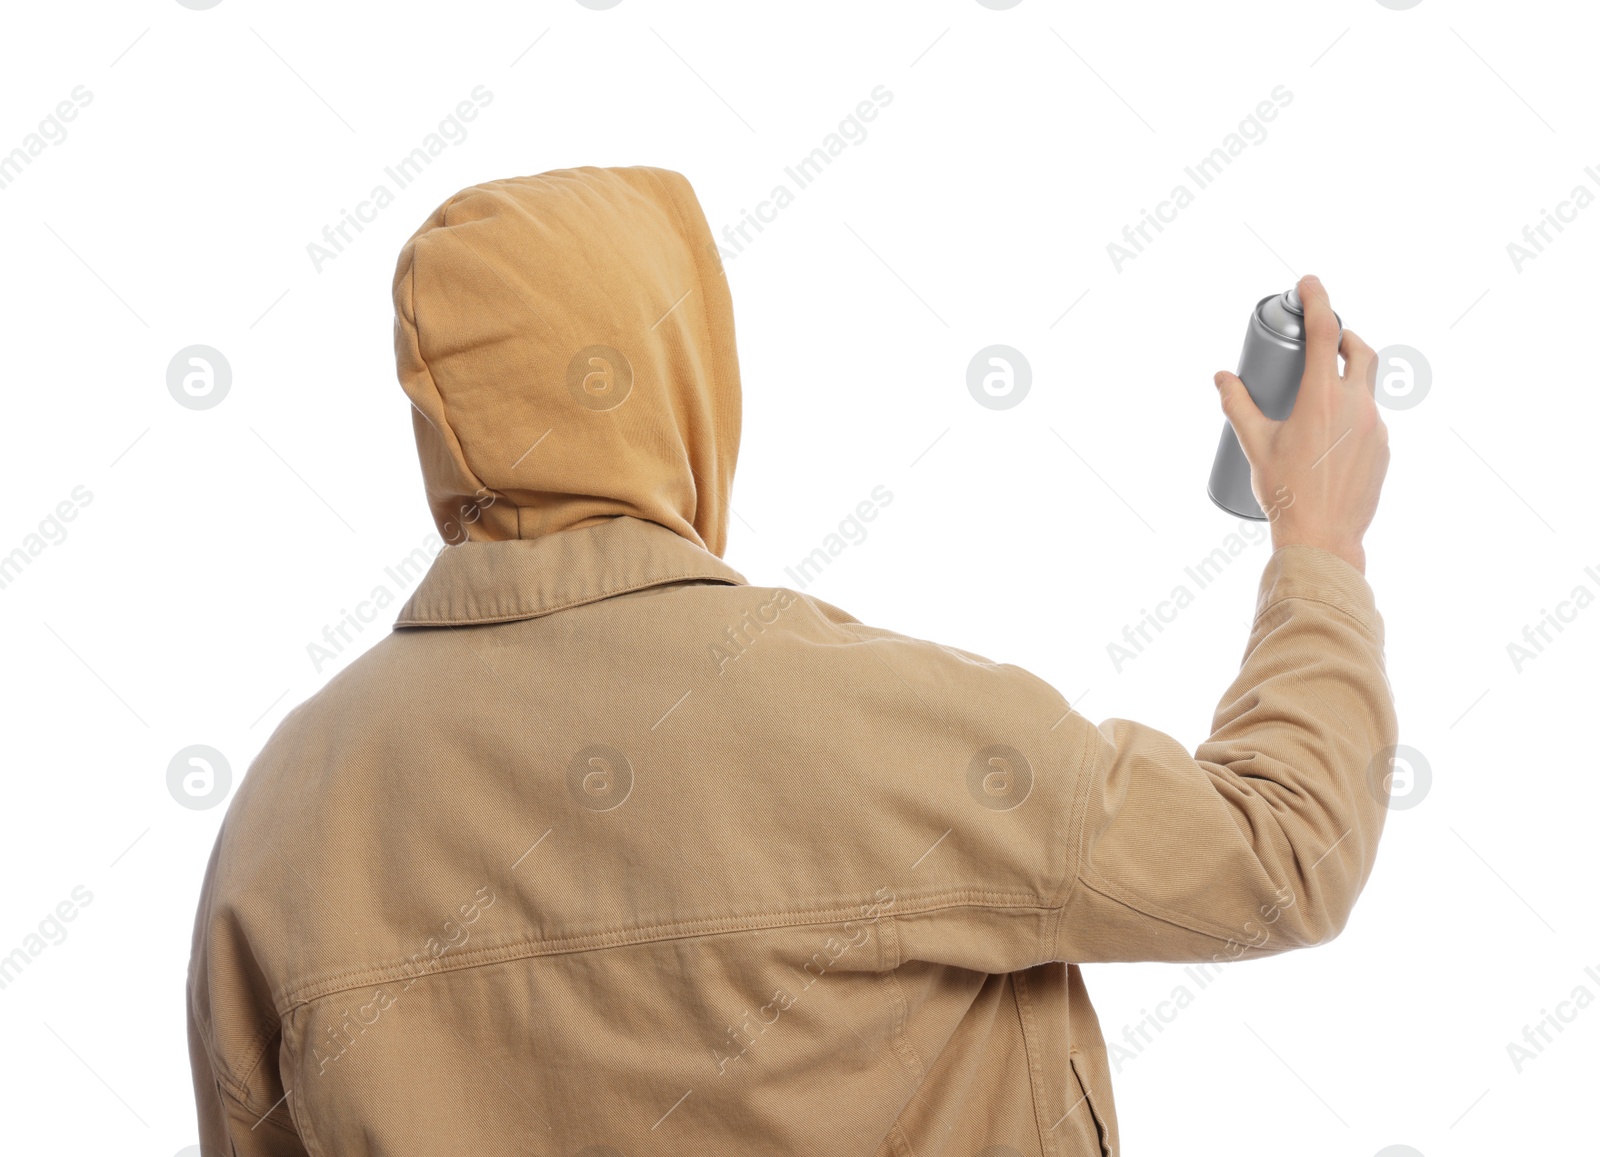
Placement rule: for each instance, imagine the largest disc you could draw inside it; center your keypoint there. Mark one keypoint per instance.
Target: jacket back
(607, 850)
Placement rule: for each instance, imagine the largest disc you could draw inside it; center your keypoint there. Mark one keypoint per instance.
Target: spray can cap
(1284, 314)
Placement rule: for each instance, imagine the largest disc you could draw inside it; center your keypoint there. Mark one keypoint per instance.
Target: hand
(1318, 472)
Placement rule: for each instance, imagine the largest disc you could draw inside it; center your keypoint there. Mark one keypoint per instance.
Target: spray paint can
(1270, 366)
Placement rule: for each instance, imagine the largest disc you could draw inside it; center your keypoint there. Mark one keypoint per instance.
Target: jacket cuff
(1300, 571)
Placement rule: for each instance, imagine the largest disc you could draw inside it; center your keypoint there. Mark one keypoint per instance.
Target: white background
(977, 210)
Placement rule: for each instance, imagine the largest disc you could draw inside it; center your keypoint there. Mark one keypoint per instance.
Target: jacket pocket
(1086, 1087)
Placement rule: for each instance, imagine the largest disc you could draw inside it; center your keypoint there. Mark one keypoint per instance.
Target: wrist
(1352, 553)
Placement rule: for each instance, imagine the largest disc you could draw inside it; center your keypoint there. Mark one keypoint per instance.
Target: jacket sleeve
(1263, 839)
(229, 1015)
(228, 1128)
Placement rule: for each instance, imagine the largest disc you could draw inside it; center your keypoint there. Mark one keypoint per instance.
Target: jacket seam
(1024, 1006)
(273, 1116)
(678, 930)
(576, 601)
(901, 1008)
(902, 1143)
(222, 1074)
(303, 1128)
(1077, 823)
(237, 1086)
(1155, 912)
(257, 1054)
(1102, 1132)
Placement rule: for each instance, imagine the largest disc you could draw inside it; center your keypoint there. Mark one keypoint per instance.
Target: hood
(567, 344)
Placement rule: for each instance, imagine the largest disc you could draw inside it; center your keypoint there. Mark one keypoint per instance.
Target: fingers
(1360, 362)
(1246, 418)
(1322, 330)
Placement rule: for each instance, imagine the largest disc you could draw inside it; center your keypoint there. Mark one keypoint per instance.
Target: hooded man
(606, 850)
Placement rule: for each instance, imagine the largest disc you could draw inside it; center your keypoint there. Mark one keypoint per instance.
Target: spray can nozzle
(1284, 315)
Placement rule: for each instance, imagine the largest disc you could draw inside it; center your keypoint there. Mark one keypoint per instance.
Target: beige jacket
(606, 850)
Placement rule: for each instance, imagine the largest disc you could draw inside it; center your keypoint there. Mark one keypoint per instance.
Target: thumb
(1240, 409)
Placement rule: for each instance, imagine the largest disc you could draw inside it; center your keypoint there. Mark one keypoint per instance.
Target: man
(606, 850)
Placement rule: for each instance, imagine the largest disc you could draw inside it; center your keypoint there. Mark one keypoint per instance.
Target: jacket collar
(523, 578)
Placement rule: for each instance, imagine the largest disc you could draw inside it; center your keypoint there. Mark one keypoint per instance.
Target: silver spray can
(1270, 366)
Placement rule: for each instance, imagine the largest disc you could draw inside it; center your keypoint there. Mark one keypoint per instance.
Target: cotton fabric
(607, 850)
